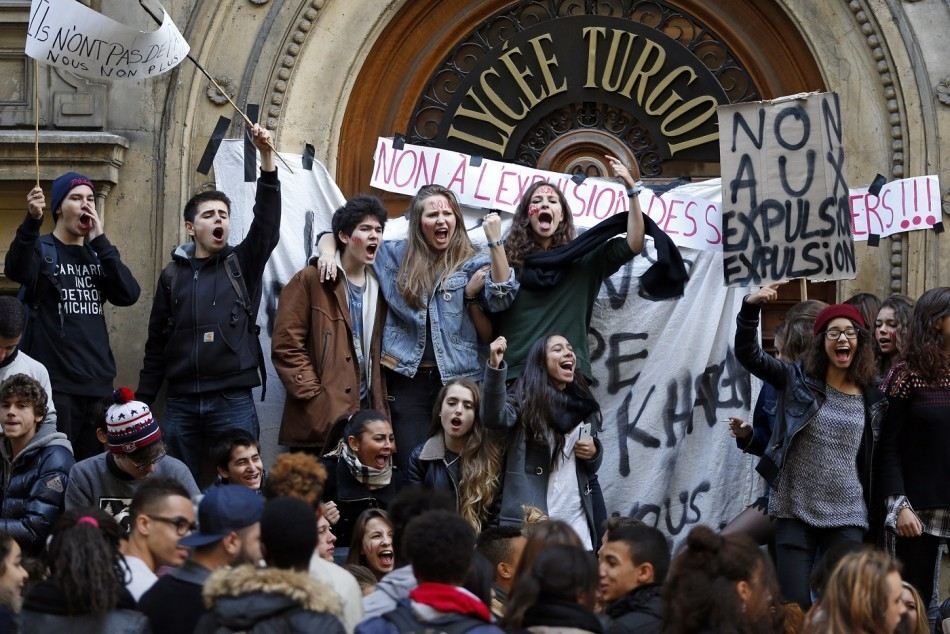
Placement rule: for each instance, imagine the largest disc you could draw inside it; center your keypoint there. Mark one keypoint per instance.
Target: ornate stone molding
(215, 96)
(275, 99)
(943, 91)
(896, 118)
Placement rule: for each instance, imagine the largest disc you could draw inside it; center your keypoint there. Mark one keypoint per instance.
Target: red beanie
(837, 310)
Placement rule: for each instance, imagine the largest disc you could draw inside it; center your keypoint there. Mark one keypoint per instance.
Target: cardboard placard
(785, 200)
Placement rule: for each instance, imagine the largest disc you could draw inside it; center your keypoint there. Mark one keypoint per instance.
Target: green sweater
(562, 310)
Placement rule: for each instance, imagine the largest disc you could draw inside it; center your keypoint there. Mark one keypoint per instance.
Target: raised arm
(496, 412)
(631, 178)
(748, 351)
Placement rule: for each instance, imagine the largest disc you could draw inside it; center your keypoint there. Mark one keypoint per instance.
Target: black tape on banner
(207, 159)
(873, 240)
(250, 152)
(579, 178)
(474, 161)
(875, 188)
(938, 228)
(399, 141)
(307, 159)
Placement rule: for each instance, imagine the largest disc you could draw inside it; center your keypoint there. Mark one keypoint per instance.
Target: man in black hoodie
(202, 333)
(66, 277)
(633, 563)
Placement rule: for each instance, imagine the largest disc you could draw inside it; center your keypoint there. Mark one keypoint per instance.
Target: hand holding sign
(261, 138)
(36, 202)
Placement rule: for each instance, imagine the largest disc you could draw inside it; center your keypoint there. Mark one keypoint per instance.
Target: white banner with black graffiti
(665, 374)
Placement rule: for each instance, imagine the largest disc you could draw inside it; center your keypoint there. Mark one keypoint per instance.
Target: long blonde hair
(855, 598)
(421, 266)
(481, 459)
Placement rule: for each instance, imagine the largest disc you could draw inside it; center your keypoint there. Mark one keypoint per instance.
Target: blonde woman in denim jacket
(429, 280)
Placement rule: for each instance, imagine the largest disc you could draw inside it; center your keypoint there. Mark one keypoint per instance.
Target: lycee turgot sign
(586, 59)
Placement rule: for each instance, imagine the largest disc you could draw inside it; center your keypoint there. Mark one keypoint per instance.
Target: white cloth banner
(68, 35)
(691, 214)
(666, 378)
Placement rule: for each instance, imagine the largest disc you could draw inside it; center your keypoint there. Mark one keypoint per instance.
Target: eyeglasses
(182, 525)
(143, 466)
(834, 334)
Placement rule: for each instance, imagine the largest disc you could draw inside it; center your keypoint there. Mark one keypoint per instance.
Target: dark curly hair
(439, 545)
(924, 351)
(863, 368)
(520, 240)
(84, 561)
(26, 389)
(348, 217)
(700, 591)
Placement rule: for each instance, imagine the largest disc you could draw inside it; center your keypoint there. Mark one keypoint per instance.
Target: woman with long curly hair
(85, 590)
(558, 291)
(890, 330)
(915, 441)
(720, 584)
(429, 281)
(818, 459)
(551, 418)
(862, 596)
(460, 456)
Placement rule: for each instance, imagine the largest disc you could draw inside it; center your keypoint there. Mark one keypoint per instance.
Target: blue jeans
(193, 423)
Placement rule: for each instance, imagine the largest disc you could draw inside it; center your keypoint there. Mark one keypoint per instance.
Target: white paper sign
(68, 35)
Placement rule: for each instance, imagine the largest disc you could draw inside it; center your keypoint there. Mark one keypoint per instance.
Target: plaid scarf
(370, 477)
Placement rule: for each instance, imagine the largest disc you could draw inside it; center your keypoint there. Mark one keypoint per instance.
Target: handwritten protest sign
(785, 200)
(903, 205)
(68, 35)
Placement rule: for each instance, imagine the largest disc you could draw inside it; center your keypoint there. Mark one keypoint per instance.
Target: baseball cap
(224, 509)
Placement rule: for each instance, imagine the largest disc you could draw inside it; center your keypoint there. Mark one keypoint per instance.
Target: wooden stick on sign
(156, 10)
(36, 119)
(804, 288)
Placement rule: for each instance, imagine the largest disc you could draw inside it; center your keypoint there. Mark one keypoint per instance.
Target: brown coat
(313, 353)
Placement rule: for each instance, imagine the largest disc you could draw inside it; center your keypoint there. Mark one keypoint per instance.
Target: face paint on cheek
(533, 211)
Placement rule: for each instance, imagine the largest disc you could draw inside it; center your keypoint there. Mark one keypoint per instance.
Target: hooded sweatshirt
(34, 486)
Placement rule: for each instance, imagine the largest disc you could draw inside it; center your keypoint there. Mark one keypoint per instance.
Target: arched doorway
(559, 85)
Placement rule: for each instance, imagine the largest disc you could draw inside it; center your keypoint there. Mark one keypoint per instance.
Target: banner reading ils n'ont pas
(691, 214)
(68, 35)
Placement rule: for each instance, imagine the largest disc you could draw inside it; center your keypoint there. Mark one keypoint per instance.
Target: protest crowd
(441, 435)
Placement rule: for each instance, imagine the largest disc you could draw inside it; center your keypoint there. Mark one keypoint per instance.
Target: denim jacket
(800, 397)
(453, 334)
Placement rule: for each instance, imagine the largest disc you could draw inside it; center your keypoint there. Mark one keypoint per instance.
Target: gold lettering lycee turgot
(653, 72)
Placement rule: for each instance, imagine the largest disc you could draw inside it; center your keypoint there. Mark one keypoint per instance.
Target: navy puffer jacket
(34, 487)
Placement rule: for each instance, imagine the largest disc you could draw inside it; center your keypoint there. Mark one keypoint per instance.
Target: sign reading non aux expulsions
(586, 58)
(785, 201)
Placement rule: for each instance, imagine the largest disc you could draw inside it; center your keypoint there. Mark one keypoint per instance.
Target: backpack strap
(233, 267)
(404, 619)
(49, 268)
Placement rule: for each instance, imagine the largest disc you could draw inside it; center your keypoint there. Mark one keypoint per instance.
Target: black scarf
(561, 614)
(569, 408)
(665, 279)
